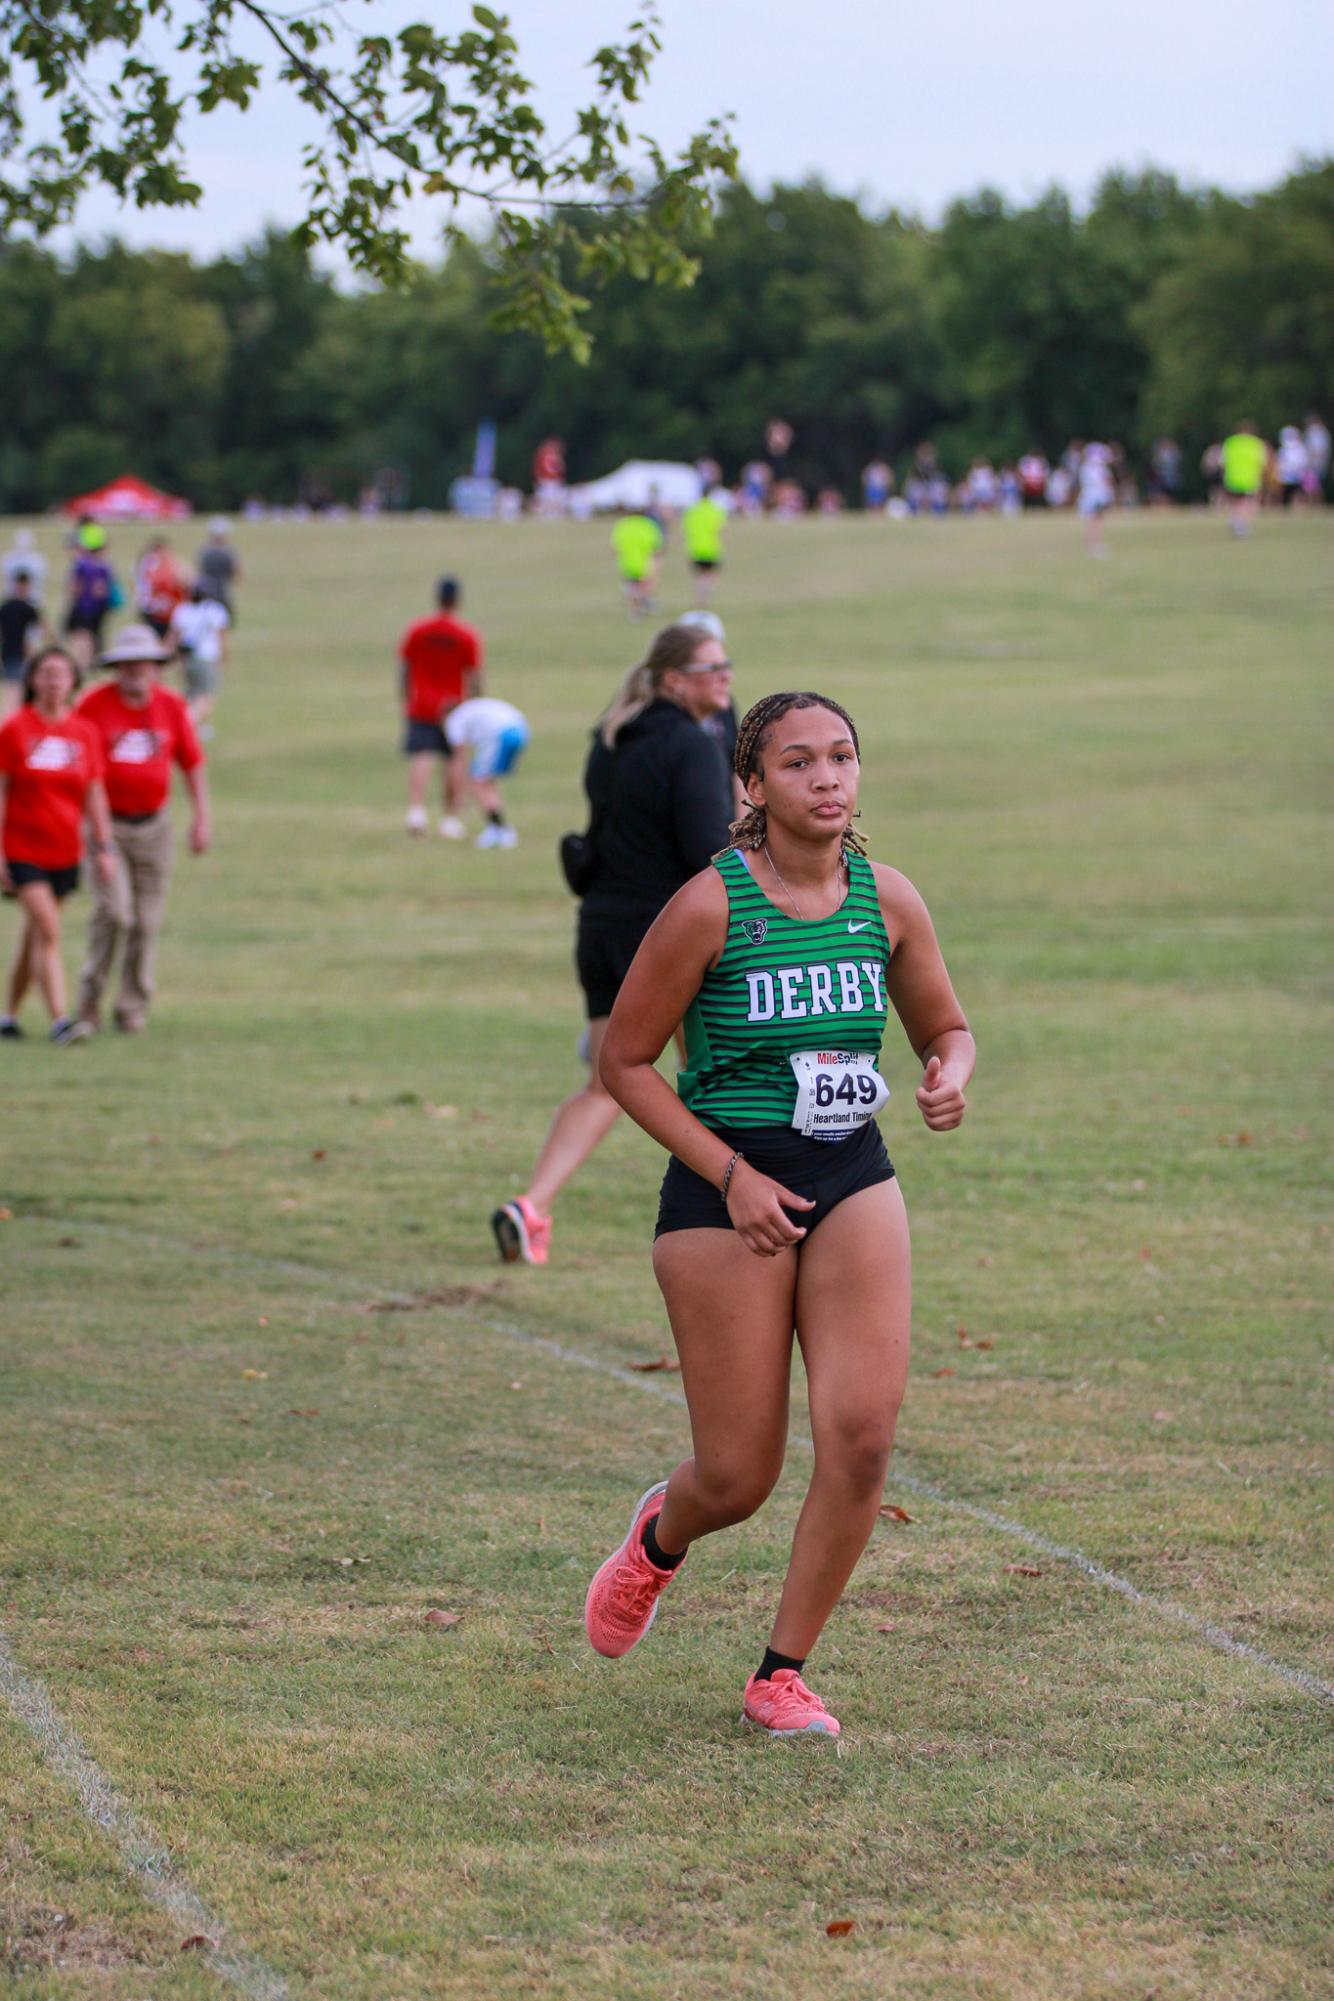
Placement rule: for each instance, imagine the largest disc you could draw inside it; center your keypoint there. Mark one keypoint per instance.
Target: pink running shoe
(521, 1233)
(622, 1600)
(785, 1707)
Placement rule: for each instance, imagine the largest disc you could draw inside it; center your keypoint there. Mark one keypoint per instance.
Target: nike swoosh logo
(860, 927)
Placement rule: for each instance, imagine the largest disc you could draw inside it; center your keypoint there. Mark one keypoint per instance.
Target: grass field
(266, 1398)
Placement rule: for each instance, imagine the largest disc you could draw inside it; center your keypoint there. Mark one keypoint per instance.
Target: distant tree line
(1162, 309)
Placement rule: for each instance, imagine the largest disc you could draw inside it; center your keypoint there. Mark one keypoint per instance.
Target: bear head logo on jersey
(756, 929)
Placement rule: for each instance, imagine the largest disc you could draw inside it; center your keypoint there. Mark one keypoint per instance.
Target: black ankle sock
(659, 1557)
(496, 819)
(771, 1663)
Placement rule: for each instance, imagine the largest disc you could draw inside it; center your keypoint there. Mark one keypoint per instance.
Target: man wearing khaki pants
(145, 729)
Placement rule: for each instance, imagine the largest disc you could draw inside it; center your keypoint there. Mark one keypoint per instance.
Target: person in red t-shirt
(143, 729)
(441, 663)
(50, 776)
(159, 585)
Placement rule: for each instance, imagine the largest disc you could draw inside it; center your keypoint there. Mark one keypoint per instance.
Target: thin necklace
(783, 886)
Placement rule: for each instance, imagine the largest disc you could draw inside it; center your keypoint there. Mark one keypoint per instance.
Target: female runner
(779, 1208)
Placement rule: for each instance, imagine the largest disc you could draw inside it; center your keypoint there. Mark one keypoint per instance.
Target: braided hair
(750, 830)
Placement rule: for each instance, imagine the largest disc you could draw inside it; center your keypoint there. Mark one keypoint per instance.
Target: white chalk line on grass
(143, 1853)
(146, 1857)
(1205, 1629)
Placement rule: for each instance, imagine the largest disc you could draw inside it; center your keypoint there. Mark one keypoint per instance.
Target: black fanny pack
(578, 853)
(578, 860)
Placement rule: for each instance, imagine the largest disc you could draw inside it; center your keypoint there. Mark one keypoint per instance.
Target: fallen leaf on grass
(318, 1153)
(6, 1215)
(884, 1629)
(1235, 1139)
(1162, 1417)
(1023, 1570)
(435, 1617)
(263, 1319)
(312, 1411)
(440, 1111)
(197, 1942)
(896, 1513)
(944, 1372)
(255, 1375)
(517, 1384)
(67, 1243)
(346, 1562)
(659, 1362)
(965, 1339)
(840, 1927)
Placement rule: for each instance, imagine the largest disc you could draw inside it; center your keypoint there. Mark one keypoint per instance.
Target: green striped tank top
(782, 985)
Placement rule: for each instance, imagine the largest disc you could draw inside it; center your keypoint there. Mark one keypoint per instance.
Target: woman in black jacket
(661, 800)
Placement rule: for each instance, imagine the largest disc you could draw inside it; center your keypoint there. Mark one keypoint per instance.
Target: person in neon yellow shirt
(638, 542)
(702, 527)
(1245, 463)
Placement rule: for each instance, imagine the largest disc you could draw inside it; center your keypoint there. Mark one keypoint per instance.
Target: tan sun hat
(135, 642)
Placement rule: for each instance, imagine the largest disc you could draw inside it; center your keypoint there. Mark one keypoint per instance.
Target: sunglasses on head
(710, 667)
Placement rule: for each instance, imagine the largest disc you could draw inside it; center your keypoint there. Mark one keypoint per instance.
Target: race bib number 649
(837, 1091)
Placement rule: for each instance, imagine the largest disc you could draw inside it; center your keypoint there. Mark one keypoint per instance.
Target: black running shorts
(419, 737)
(826, 1173)
(603, 950)
(63, 881)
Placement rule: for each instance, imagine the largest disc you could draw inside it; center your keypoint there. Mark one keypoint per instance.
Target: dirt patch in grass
(61, 1941)
(441, 1295)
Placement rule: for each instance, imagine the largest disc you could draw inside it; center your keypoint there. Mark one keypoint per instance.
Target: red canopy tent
(129, 499)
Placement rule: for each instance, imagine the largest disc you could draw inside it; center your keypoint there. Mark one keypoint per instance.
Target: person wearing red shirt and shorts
(159, 585)
(441, 661)
(50, 777)
(143, 730)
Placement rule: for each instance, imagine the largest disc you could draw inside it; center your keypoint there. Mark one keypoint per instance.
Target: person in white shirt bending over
(199, 628)
(486, 739)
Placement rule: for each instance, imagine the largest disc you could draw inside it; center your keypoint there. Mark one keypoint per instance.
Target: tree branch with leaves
(416, 112)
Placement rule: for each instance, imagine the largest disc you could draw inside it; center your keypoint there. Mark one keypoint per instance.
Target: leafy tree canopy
(1004, 329)
(419, 111)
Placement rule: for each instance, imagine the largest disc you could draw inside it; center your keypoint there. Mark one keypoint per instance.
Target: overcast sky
(907, 105)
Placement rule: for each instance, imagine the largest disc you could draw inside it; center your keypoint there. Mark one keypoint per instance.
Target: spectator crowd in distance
(190, 612)
(1296, 471)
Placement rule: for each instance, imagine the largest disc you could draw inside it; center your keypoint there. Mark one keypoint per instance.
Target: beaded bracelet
(728, 1172)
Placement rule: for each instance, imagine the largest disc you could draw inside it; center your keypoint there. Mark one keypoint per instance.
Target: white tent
(635, 484)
